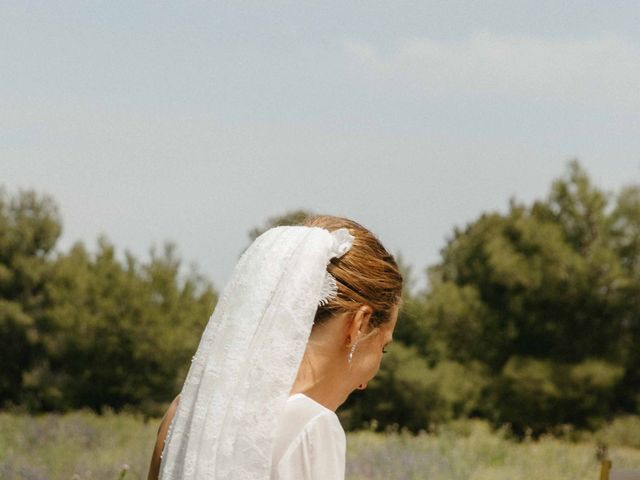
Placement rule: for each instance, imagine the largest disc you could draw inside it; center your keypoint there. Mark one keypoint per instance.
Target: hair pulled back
(366, 274)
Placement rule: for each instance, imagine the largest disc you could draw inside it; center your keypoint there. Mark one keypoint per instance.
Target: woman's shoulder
(302, 412)
(310, 442)
(306, 423)
(303, 408)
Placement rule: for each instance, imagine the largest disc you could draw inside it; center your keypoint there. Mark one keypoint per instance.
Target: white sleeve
(317, 453)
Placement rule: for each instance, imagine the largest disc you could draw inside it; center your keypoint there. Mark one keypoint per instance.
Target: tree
(292, 217)
(122, 334)
(30, 226)
(87, 330)
(540, 296)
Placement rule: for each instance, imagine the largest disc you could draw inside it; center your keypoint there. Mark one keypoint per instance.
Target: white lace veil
(249, 354)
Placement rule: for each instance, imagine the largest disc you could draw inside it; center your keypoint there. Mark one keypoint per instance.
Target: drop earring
(353, 349)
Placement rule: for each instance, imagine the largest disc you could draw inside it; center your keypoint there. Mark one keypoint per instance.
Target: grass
(476, 453)
(85, 446)
(77, 446)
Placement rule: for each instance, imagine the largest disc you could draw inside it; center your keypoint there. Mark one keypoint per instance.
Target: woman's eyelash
(384, 350)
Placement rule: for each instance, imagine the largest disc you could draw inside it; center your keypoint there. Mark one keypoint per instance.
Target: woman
(302, 323)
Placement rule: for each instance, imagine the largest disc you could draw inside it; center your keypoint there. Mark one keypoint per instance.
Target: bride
(302, 323)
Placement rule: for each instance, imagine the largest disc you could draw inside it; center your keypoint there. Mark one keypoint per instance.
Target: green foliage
(531, 318)
(408, 392)
(29, 228)
(545, 298)
(139, 324)
(87, 330)
(293, 217)
(537, 393)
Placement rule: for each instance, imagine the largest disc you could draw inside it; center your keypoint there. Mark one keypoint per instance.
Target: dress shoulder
(310, 443)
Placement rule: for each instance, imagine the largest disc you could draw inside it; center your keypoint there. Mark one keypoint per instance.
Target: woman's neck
(320, 378)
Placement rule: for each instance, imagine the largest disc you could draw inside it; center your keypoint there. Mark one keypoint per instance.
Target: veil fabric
(249, 355)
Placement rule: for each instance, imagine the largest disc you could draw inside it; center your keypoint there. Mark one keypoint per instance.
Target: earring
(353, 349)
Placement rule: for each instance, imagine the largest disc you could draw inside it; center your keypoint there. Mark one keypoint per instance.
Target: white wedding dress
(310, 443)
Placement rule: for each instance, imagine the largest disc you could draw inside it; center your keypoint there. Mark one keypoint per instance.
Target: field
(84, 446)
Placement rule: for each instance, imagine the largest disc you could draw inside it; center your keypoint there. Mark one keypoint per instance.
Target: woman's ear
(359, 324)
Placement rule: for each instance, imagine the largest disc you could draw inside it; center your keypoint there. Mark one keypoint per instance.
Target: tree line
(530, 318)
(81, 329)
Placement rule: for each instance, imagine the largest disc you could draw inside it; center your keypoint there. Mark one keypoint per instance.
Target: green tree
(540, 297)
(88, 330)
(123, 333)
(292, 217)
(30, 226)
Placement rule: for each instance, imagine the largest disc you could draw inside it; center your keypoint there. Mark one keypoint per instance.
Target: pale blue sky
(195, 121)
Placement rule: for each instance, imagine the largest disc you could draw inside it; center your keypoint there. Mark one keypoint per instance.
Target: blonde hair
(366, 274)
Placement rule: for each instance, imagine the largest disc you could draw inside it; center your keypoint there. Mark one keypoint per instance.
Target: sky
(193, 122)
